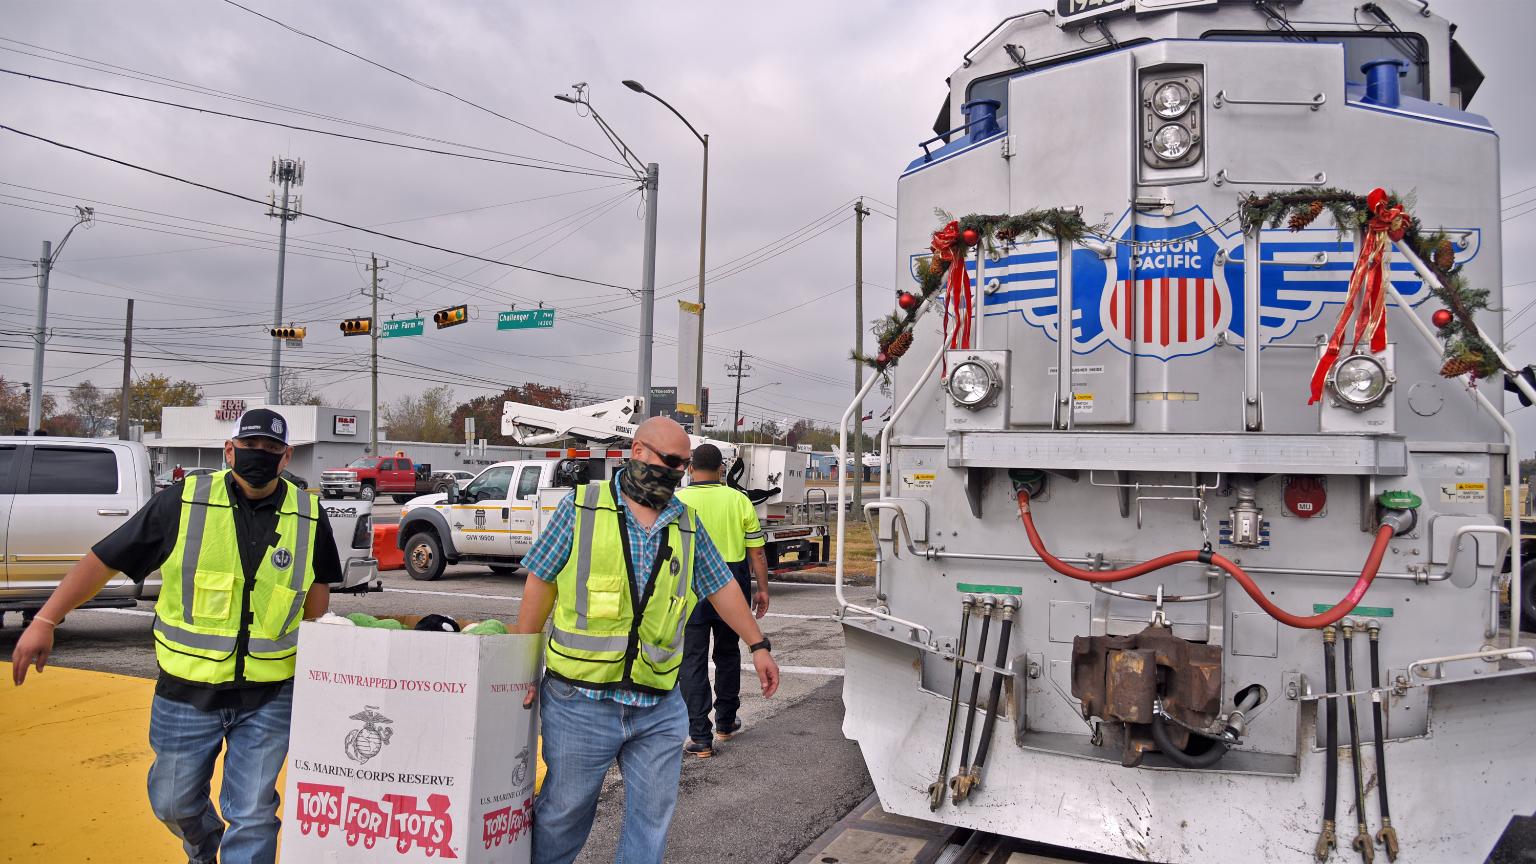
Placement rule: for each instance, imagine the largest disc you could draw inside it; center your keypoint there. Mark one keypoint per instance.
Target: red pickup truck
(369, 476)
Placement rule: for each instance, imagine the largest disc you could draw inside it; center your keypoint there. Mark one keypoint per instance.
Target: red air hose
(1306, 622)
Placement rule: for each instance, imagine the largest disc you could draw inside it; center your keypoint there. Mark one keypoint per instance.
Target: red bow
(1366, 286)
(949, 248)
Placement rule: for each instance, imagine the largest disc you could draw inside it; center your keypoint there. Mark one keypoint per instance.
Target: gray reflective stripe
(287, 642)
(204, 641)
(583, 642)
(584, 554)
(301, 558)
(658, 655)
(685, 528)
(192, 543)
(754, 535)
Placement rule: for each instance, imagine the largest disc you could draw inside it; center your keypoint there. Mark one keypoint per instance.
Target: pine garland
(1466, 351)
(894, 332)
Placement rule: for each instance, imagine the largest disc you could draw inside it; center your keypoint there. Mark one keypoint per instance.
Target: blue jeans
(582, 737)
(186, 742)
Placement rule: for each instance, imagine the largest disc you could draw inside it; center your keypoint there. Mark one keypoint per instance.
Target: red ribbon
(1366, 286)
(948, 247)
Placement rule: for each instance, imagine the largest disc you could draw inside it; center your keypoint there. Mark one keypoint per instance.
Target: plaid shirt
(549, 553)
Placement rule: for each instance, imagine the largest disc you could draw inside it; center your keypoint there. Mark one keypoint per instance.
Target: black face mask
(651, 485)
(256, 467)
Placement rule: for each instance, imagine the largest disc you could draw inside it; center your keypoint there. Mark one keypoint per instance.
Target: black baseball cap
(262, 423)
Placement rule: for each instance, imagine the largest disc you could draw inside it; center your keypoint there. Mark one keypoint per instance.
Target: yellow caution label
(919, 480)
(1082, 403)
(1471, 492)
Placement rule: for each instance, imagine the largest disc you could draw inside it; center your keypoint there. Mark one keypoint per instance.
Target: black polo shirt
(146, 540)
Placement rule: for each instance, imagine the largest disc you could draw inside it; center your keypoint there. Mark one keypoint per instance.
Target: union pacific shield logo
(1175, 284)
(1166, 299)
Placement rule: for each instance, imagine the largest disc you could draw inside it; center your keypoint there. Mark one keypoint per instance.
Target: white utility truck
(495, 518)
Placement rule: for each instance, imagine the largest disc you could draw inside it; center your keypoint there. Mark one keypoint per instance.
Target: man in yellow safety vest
(244, 555)
(621, 564)
(731, 520)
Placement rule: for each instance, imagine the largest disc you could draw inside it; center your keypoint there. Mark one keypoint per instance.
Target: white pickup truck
(496, 517)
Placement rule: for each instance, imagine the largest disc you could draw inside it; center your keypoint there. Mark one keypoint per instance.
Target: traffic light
(451, 316)
(357, 326)
(288, 332)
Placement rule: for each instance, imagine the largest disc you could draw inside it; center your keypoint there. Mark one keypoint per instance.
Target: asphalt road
(764, 796)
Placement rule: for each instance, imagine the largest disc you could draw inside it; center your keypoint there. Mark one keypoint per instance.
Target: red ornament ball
(1442, 318)
(906, 300)
(882, 358)
(970, 236)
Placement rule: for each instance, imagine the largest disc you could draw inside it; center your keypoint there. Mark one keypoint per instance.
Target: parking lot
(83, 725)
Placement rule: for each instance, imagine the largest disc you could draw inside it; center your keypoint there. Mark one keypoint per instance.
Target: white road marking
(829, 671)
(147, 612)
(393, 590)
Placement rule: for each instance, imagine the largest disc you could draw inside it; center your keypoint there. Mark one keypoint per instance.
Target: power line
(313, 216)
(568, 169)
(290, 28)
(201, 90)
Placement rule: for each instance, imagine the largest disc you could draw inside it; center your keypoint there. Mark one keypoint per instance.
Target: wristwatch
(764, 645)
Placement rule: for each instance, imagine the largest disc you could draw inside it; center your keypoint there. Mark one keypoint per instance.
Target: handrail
(842, 525)
(965, 59)
(1318, 179)
(1253, 340)
(1511, 459)
(1497, 530)
(885, 434)
(1419, 668)
(825, 504)
(1316, 101)
(1064, 398)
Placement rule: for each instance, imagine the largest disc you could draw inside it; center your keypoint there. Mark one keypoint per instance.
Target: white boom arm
(603, 423)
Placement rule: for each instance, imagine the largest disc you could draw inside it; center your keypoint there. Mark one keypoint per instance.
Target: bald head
(660, 437)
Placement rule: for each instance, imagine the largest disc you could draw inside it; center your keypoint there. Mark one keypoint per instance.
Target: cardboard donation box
(410, 746)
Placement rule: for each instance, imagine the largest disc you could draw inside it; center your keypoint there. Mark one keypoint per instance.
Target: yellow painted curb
(76, 751)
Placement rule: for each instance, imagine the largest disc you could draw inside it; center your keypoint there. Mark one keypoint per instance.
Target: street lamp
(650, 175)
(698, 386)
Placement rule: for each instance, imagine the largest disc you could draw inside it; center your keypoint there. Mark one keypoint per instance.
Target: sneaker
(725, 730)
(702, 750)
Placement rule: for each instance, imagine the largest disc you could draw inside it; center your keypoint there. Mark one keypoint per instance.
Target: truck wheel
(424, 556)
(503, 569)
(365, 493)
(401, 499)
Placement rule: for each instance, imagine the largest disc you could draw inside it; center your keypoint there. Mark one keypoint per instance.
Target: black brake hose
(1331, 777)
(1181, 758)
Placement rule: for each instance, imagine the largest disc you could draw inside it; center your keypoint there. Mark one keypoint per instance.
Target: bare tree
(426, 417)
(95, 410)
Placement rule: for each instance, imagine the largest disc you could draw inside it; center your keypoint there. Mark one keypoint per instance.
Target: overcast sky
(808, 107)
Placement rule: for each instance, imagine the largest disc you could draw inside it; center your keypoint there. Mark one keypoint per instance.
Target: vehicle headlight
(972, 383)
(1171, 100)
(1171, 142)
(1360, 381)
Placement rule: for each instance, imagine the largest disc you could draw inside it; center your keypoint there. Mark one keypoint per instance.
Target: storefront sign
(229, 409)
(346, 424)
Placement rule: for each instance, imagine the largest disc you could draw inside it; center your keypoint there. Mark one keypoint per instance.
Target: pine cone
(900, 344)
(1302, 217)
(1461, 365)
(1445, 257)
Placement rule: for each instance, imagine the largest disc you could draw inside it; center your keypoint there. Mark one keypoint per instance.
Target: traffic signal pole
(373, 338)
(122, 411)
(35, 406)
(648, 292)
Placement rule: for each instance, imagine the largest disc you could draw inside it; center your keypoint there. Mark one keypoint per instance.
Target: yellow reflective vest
(598, 640)
(200, 615)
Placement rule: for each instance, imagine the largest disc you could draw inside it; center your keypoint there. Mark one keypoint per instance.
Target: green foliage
(152, 394)
(487, 410)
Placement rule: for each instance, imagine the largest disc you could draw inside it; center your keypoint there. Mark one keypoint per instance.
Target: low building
(321, 437)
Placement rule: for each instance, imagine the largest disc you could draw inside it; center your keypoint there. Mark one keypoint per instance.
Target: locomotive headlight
(972, 384)
(1360, 381)
(1171, 100)
(1171, 142)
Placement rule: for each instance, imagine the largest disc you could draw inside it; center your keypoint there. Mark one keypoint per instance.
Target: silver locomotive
(1136, 595)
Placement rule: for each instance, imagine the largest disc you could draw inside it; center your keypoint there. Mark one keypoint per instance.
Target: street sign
(525, 319)
(405, 327)
(294, 343)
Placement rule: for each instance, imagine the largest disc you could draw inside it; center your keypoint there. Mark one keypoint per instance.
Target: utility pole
(288, 172)
(40, 338)
(40, 332)
(373, 339)
(648, 291)
(857, 468)
(125, 400)
(738, 371)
